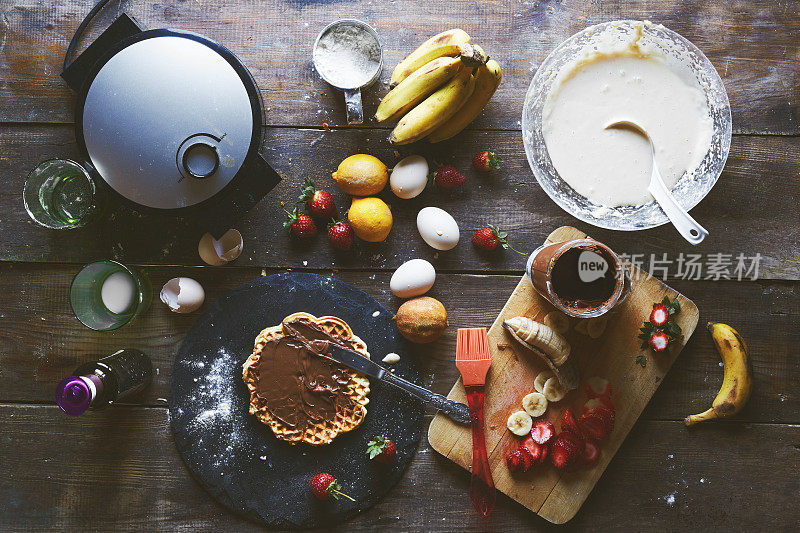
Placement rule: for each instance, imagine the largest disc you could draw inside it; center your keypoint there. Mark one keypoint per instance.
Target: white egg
(437, 228)
(218, 252)
(412, 278)
(409, 177)
(183, 295)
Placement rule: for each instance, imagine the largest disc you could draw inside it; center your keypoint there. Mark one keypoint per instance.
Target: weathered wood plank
(119, 470)
(41, 341)
(753, 45)
(753, 208)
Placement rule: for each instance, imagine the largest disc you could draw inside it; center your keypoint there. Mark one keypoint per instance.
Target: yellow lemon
(371, 219)
(361, 175)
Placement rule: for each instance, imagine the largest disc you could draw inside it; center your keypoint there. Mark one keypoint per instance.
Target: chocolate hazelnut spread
(302, 387)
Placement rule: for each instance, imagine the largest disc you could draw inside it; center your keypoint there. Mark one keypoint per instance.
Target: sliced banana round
(582, 326)
(596, 326)
(535, 404)
(519, 423)
(557, 321)
(553, 390)
(541, 379)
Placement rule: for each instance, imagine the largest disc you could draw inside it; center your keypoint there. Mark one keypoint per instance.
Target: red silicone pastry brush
(473, 361)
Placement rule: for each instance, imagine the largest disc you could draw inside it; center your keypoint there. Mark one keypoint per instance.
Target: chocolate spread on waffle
(300, 386)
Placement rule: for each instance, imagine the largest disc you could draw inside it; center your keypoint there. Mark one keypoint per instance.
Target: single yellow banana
(415, 88)
(434, 110)
(487, 81)
(448, 43)
(737, 382)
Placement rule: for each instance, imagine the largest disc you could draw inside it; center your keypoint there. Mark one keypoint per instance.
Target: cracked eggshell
(437, 228)
(183, 295)
(412, 278)
(218, 252)
(409, 177)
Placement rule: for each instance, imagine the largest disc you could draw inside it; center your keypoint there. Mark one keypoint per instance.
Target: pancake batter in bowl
(612, 167)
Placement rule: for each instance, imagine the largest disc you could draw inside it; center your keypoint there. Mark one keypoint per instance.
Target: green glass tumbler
(60, 194)
(106, 295)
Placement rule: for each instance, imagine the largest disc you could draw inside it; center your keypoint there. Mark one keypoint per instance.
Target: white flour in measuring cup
(347, 56)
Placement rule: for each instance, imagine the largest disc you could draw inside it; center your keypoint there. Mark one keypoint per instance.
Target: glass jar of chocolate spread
(582, 278)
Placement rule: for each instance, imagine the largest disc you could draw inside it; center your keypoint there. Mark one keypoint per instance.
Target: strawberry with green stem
(300, 224)
(382, 450)
(490, 237)
(320, 203)
(486, 161)
(661, 329)
(324, 486)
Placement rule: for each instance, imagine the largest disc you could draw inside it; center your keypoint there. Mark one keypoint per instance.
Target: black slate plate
(235, 457)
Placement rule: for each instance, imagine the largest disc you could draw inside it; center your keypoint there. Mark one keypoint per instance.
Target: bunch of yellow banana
(439, 88)
(738, 378)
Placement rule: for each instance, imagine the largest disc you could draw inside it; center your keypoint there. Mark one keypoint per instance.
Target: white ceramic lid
(167, 122)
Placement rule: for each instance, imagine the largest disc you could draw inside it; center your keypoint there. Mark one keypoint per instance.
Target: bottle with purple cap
(98, 384)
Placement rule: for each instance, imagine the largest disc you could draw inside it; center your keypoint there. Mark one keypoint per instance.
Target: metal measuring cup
(352, 95)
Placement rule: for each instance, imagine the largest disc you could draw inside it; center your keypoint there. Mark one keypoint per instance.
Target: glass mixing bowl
(683, 57)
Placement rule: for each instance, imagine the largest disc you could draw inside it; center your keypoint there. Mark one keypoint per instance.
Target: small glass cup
(540, 268)
(60, 194)
(106, 295)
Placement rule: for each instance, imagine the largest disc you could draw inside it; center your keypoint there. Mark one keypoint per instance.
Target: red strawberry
(569, 425)
(659, 315)
(592, 426)
(533, 448)
(382, 450)
(340, 234)
(606, 414)
(591, 451)
(600, 401)
(486, 161)
(300, 225)
(320, 203)
(659, 341)
(542, 431)
(490, 237)
(515, 461)
(545, 448)
(324, 486)
(447, 177)
(527, 458)
(566, 450)
(596, 386)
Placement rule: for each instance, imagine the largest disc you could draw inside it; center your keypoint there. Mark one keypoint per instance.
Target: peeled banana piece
(487, 81)
(448, 43)
(420, 84)
(737, 382)
(551, 347)
(434, 110)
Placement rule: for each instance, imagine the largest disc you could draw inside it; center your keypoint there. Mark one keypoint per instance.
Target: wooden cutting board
(552, 494)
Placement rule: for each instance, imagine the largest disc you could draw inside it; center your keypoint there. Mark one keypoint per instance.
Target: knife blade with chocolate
(458, 412)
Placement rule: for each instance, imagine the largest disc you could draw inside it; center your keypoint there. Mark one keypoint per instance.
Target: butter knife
(458, 412)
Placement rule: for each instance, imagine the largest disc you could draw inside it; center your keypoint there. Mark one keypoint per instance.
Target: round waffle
(346, 418)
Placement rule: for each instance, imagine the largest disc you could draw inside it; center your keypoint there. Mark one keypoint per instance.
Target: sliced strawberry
(545, 449)
(592, 426)
(659, 315)
(600, 401)
(527, 458)
(514, 461)
(591, 451)
(542, 431)
(569, 424)
(605, 414)
(566, 450)
(659, 341)
(533, 447)
(596, 387)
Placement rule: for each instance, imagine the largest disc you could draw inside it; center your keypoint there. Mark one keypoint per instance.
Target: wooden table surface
(119, 469)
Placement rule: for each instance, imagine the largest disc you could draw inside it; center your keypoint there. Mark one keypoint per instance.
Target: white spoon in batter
(683, 222)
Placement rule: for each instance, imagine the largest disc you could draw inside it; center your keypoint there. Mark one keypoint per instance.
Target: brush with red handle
(473, 361)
